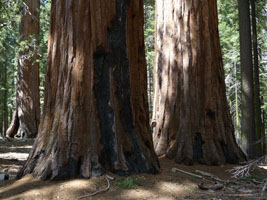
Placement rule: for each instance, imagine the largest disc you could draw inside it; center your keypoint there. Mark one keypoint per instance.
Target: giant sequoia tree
(95, 114)
(27, 112)
(190, 107)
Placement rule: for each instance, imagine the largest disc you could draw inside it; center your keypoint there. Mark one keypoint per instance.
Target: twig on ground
(97, 192)
(244, 170)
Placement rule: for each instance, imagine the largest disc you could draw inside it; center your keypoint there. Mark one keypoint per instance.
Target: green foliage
(128, 183)
(11, 44)
(229, 38)
(44, 31)
(261, 12)
(149, 11)
(9, 39)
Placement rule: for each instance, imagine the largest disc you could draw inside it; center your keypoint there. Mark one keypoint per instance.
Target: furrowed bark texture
(14, 125)
(257, 100)
(247, 80)
(190, 106)
(28, 95)
(95, 114)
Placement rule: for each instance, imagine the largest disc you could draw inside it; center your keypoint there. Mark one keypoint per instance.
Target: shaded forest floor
(167, 185)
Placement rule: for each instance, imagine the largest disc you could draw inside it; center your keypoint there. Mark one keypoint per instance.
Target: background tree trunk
(5, 108)
(28, 95)
(258, 121)
(190, 106)
(247, 84)
(95, 114)
(264, 145)
(3, 100)
(14, 125)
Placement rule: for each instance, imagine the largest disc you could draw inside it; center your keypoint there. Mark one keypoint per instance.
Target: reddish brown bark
(14, 125)
(95, 114)
(190, 107)
(28, 95)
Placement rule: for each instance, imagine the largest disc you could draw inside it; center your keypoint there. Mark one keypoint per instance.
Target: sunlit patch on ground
(17, 156)
(263, 166)
(162, 190)
(167, 185)
(13, 153)
(17, 147)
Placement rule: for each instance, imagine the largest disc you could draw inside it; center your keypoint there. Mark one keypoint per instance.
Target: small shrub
(128, 183)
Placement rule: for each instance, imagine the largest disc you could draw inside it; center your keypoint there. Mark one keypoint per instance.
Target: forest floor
(167, 185)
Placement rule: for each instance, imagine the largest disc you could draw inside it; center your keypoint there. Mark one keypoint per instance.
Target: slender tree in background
(229, 42)
(5, 93)
(149, 26)
(190, 106)
(95, 114)
(27, 113)
(9, 19)
(247, 84)
(264, 145)
(3, 105)
(258, 120)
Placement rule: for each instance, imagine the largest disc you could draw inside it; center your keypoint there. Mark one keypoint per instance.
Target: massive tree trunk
(247, 84)
(258, 121)
(95, 114)
(28, 96)
(190, 106)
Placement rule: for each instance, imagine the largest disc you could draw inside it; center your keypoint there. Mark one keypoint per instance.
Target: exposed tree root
(97, 192)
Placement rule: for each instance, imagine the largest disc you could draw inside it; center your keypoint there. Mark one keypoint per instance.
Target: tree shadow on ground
(165, 185)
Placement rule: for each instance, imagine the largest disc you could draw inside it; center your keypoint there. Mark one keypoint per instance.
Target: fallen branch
(204, 173)
(209, 175)
(97, 192)
(188, 173)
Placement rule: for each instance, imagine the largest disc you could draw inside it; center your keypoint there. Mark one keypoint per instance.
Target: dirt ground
(167, 185)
